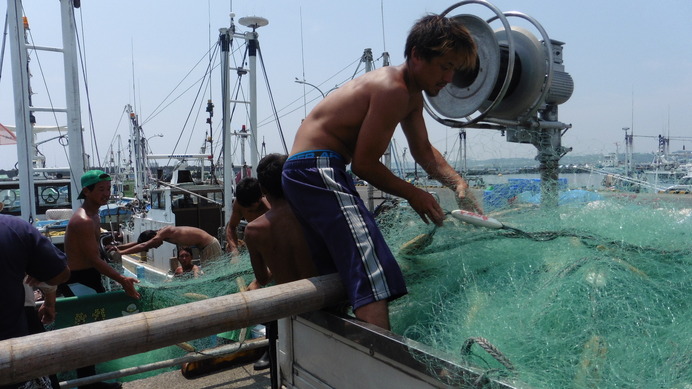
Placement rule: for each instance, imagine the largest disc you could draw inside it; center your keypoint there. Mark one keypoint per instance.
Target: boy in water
(354, 124)
(186, 268)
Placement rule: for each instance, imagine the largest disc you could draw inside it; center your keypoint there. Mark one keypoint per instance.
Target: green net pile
(595, 295)
(221, 277)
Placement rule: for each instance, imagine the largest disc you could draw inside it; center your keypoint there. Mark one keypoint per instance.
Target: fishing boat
(487, 308)
(684, 186)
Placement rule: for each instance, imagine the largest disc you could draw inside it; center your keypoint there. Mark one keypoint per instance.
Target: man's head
(434, 35)
(146, 236)
(92, 179)
(248, 192)
(185, 256)
(269, 174)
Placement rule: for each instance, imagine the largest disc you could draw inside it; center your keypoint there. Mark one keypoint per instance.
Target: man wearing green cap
(82, 234)
(81, 247)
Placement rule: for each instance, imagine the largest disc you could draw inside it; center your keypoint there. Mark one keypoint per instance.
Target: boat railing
(98, 342)
(622, 178)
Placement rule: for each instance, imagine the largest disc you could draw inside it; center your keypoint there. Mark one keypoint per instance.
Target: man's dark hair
(184, 248)
(269, 174)
(435, 35)
(248, 191)
(146, 236)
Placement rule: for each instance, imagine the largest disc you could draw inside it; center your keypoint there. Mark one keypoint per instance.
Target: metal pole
(252, 47)
(225, 43)
(367, 59)
(72, 100)
(192, 357)
(22, 114)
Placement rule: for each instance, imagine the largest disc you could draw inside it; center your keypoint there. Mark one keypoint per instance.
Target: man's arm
(253, 240)
(125, 246)
(386, 110)
(46, 313)
(232, 229)
(133, 247)
(434, 163)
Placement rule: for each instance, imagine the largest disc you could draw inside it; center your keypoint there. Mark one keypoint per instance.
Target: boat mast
(225, 42)
(24, 109)
(254, 22)
(22, 114)
(72, 100)
(139, 156)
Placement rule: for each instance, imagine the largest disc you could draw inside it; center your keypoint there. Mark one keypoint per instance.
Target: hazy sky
(630, 60)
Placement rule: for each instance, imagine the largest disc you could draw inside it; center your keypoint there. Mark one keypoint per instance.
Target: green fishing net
(592, 295)
(220, 277)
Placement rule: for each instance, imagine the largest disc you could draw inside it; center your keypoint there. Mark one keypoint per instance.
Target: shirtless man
(354, 124)
(280, 260)
(82, 249)
(82, 235)
(182, 236)
(277, 247)
(249, 204)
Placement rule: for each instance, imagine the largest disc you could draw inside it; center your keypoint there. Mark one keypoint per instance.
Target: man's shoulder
(258, 227)
(80, 218)
(259, 222)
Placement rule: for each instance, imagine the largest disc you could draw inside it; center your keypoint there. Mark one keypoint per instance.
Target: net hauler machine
(516, 88)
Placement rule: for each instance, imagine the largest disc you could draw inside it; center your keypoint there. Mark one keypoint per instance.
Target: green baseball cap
(92, 177)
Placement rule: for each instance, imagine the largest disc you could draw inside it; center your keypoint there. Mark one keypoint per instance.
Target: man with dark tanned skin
(82, 249)
(354, 124)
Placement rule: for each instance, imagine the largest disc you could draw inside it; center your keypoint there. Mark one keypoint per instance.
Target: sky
(630, 61)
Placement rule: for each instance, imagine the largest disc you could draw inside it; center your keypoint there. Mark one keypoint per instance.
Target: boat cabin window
(52, 195)
(215, 197)
(49, 194)
(158, 201)
(184, 201)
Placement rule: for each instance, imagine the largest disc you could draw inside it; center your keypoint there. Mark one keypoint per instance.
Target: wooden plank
(66, 349)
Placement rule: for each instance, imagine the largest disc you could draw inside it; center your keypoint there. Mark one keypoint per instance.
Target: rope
(489, 348)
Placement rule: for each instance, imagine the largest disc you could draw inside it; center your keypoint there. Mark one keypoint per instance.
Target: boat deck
(240, 377)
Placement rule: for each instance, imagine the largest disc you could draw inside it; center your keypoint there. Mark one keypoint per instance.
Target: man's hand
(46, 313)
(128, 284)
(466, 200)
(427, 207)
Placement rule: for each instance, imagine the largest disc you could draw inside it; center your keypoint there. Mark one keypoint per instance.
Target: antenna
(302, 59)
(384, 43)
(254, 22)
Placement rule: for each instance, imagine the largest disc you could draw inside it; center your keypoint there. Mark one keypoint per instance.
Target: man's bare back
(288, 257)
(185, 236)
